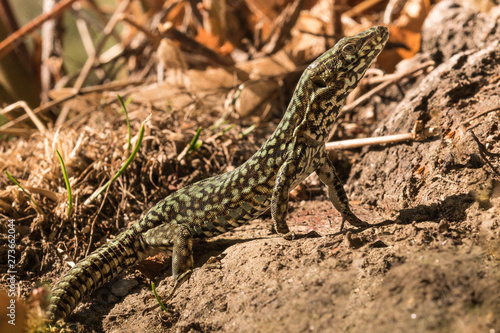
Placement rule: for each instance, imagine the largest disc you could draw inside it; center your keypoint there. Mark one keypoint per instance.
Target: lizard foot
(354, 221)
(291, 235)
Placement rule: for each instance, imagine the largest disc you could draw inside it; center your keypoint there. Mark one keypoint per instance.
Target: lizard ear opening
(319, 83)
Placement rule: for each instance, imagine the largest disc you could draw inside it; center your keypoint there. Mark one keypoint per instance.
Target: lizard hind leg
(182, 259)
(178, 240)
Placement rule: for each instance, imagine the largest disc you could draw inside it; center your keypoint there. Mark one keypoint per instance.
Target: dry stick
(389, 9)
(46, 193)
(284, 24)
(191, 45)
(361, 7)
(355, 143)
(418, 133)
(25, 132)
(89, 48)
(84, 32)
(10, 24)
(90, 19)
(149, 34)
(48, 37)
(29, 113)
(88, 44)
(86, 90)
(10, 42)
(106, 32)
(497, 108)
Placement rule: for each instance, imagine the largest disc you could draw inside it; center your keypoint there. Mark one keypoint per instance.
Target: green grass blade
(22, 189)
(158, 298)
(68, 185)
(122, 169)
(248, 130)
(195, 144)
(124, 109)
(224, 131)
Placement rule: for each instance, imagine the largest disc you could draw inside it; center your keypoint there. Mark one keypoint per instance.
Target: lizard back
(223, 202)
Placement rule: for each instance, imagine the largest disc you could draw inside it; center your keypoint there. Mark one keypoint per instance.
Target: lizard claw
(354, 221)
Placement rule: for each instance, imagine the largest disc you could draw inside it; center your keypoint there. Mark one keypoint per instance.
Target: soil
(430, 262)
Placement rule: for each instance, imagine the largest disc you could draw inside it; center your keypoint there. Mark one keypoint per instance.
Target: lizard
(220, 203)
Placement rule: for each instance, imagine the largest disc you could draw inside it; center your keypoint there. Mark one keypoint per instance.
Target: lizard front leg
(279, 200)
(336, 192)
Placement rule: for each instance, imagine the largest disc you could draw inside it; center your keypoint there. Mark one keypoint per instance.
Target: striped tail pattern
(94, 271)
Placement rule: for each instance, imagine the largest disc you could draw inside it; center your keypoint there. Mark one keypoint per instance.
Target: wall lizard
(218, 204)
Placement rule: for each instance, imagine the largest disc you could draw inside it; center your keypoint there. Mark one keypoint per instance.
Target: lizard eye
(319, 83)
(349, 48)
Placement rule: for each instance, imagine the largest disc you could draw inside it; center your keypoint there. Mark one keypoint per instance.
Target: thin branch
(282, 27)
(108, 29)
(10, 42)
(29, 113)
(48, 38)
(355, 143)
(86, 90)
(191, 45)
(418, 133)
(468, 121)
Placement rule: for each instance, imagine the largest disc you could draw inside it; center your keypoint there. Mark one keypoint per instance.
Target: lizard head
(327, 81)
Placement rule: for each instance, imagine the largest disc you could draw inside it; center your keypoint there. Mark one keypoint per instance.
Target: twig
(10, 25)
(377, 140)
(17, 131)
(48, 37)
(83, 29)
(29, 113)
(465, 123)
(91, 60)
(282, 27)
(10, 42)
(418, 133)
(86, 90)
(152, 37)
(389, 9)
(43, 192)
(191, 45)
(361, 7)
(84, 32)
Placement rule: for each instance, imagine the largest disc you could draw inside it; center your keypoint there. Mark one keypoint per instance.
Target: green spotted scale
(226, 201)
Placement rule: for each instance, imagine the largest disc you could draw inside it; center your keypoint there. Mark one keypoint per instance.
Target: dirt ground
(430, 262)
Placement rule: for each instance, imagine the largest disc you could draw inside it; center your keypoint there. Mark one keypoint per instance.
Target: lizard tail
(94, 271)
